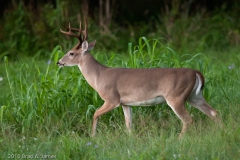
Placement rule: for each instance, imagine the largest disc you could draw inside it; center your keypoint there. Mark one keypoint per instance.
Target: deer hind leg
(178, 106)
(106, 107)
(198, 101)
(128, 117)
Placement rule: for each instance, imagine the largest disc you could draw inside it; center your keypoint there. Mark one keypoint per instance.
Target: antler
(80, 32)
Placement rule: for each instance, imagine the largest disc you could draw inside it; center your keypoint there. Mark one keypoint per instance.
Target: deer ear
(91, 45)
(84, 47)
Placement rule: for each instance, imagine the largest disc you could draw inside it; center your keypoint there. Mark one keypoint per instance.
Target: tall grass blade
(10, 84)
(1, 113)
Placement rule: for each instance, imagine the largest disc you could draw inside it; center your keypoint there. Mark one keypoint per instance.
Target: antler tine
(74, 29)
(85, 34)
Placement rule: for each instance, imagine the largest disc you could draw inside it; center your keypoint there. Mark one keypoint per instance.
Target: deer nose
(60, 64)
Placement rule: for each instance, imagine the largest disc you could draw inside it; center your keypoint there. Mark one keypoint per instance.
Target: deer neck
(91, 69)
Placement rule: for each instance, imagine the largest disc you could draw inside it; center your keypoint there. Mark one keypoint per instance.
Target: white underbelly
(149, 102)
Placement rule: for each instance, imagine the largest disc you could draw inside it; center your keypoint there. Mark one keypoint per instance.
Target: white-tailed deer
(128, 87)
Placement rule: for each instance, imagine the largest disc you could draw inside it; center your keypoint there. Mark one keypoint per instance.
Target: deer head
(75, 55)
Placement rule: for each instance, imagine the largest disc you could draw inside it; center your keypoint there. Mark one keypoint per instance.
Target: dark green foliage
(35, 32)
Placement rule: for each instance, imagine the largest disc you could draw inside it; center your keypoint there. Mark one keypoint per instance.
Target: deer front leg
(128, 117)
(106, 107)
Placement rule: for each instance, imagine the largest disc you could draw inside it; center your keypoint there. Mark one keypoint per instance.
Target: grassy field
(46, 111)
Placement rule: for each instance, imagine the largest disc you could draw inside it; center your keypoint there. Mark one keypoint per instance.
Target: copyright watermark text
(30, 156)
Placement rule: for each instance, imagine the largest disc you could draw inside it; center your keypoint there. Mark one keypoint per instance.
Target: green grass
(204, 141)
(48, 110)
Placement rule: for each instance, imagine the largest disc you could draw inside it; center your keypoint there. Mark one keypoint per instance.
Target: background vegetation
(45, 110)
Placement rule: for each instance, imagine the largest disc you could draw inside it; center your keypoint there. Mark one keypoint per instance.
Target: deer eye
(71, 53)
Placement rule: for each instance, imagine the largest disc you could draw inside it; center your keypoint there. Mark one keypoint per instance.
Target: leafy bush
(35, 32)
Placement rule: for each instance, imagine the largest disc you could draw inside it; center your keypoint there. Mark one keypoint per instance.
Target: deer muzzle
(60, 64)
